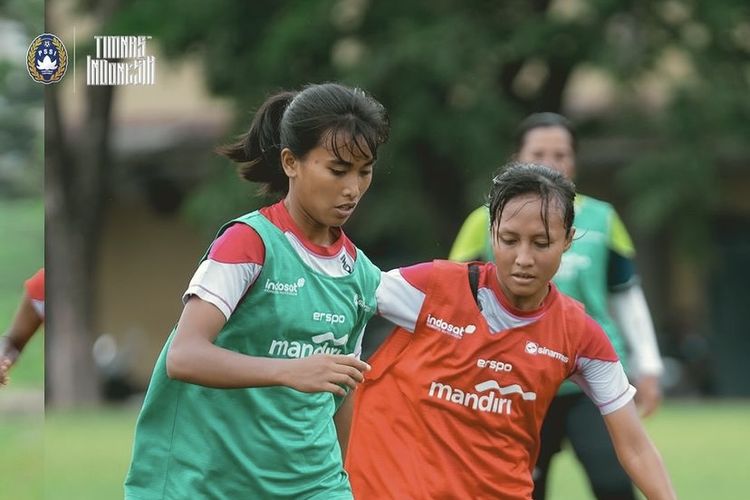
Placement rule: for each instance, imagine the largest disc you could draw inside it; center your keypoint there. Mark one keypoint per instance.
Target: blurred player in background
(27, 320)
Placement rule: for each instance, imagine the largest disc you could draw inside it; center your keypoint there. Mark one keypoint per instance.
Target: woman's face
(550, 146)
(526, 257)
(325, 187)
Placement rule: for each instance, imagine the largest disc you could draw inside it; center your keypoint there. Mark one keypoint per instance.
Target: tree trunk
(75, 193)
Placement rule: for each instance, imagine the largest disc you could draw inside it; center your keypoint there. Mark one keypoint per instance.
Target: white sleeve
(604, 382)
(223, 285)
(398, 300)
(630, 311)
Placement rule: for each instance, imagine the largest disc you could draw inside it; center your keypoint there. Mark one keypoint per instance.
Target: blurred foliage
(21, 101)
(224, 198)
(456, 76)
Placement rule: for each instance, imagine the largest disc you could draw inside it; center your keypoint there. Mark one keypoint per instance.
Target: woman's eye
(338, 173)
(542, 244)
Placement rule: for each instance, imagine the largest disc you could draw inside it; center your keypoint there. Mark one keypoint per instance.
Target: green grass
(87, 453)
(703, 443)
(21, 254)
(22, 449)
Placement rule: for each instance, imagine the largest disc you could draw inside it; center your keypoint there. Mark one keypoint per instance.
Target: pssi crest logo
(47, 59)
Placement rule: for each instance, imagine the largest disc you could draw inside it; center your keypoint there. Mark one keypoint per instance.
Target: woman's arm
(630, 312)
(25, 322)
(637, 453)
(194, 358)
(343, 421)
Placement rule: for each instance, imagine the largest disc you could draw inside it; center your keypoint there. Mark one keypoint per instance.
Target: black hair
(516, 179)
(302, 120)
(546, 119)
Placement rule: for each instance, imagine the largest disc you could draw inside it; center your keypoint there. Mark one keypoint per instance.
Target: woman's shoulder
(421, 275)
(35, 285)
(577, 317)
(595, 205)
(238, 243)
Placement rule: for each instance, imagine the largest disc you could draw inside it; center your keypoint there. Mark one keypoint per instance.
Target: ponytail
(258, 151)
(302, 121)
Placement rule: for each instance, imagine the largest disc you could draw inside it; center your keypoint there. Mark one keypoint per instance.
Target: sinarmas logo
(534, 348)
(47, 59)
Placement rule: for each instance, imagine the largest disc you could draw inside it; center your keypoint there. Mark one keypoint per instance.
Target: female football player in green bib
(243, 399)
(597, 270)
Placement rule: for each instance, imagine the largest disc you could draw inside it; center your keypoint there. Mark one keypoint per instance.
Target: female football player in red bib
(456, 397)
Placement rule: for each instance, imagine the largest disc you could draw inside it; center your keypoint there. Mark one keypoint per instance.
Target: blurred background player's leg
(588, 435)
(552, 435)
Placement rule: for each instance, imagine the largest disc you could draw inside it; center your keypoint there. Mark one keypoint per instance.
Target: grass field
(703, 443)
(22, 438)
(84, 454)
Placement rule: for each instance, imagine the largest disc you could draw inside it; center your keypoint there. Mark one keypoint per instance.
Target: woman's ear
(289, 163)
(569, 239)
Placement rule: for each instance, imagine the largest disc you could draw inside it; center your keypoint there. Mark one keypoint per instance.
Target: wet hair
(538, 120)
(517, 179)
(319, 114)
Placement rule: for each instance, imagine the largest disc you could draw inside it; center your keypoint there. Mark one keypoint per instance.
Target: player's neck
(312, 230)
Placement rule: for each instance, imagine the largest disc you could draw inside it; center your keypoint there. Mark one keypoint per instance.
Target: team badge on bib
(47, 59)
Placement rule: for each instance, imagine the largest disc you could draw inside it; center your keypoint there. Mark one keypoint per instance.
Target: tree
(21, 103)
(457, 76)
(76, 190)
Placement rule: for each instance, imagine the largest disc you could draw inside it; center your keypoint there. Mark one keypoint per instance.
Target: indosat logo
(281, 288)
(325, 343)
(443, 326)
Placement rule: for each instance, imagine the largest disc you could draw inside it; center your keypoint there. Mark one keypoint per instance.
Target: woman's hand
(8, 354)
(325, 373)
(648, 398)
(4, 367)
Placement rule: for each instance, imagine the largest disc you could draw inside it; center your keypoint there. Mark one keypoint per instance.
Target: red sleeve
(238, 244)
(595, 344)
(417, 275)
(35, 286)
